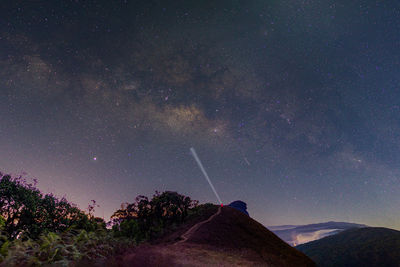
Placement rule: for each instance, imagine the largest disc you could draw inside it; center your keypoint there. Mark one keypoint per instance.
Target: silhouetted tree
(146, 218)
(27, 212)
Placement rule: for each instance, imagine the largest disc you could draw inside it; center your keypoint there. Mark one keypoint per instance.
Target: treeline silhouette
(37, 228)
(27, 213)
(146, 219)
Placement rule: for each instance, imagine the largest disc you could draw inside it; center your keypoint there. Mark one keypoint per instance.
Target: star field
(292, 106)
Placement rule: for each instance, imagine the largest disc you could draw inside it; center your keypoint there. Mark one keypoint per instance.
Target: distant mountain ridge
(369, 246)
(300, 234)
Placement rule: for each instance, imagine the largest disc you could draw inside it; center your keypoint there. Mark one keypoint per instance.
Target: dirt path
(189, 232)
(164, 254)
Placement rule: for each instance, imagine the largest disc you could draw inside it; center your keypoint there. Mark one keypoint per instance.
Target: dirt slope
(228, 238)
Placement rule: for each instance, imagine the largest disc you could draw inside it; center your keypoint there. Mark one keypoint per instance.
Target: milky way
(293, 106)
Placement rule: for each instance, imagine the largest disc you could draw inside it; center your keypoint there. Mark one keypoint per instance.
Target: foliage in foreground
(38, 229)
(62, 249)
(27, 213)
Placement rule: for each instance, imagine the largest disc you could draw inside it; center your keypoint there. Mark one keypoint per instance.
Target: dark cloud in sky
(293, 106)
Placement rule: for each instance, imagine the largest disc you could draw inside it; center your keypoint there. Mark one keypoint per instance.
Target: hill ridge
(226, 238)
(368, 246)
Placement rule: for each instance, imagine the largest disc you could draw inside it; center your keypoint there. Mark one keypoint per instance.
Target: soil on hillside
(230, 239)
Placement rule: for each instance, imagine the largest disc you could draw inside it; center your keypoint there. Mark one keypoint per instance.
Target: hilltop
(229, 238)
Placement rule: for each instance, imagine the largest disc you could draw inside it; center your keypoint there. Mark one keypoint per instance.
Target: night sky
(292, 106)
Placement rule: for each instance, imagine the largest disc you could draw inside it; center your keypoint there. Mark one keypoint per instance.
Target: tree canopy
(24, 210)
(146, 218)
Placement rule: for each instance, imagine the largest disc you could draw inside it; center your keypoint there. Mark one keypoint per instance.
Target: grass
(64, 249)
